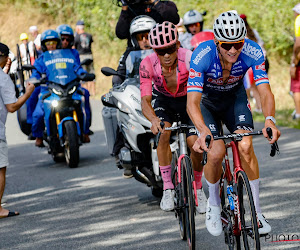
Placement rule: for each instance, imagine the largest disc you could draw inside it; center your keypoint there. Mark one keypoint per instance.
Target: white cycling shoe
(202, 200)
(167, 201)
(213, 219)
(264, 226)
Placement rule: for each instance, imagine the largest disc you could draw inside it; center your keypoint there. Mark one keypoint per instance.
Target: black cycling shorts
(233, 110)
(170, 109)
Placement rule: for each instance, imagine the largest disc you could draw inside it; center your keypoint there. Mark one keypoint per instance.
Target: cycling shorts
(233, 110)
(168, 108)
(295, 83)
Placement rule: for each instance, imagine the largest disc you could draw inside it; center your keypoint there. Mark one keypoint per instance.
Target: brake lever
(157, 137)
(274, 146)
(207, 142)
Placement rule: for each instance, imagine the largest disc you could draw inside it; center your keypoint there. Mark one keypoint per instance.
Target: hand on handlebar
(201, 143)
(274, 136)
(156, 126)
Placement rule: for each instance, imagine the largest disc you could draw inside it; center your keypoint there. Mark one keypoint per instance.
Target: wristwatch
(293, 65)
(271, 118)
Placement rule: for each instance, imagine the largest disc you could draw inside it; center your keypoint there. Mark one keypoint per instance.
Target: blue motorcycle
(64, 112)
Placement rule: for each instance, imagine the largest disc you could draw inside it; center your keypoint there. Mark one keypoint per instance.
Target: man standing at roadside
(83, 44)
(8, 103)
(36, 38)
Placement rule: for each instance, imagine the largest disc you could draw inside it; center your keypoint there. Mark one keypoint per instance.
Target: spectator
(26, 50)
(193, 22)
(36, 39)
(83, 43)
(160, 11)
(8, 103)
(295, 66)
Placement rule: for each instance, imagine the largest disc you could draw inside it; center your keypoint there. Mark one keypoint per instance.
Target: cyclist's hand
(275, 131)
(156, 125)
(200, 144)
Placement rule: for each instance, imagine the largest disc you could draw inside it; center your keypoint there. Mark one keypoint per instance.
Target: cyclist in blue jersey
(216, 95)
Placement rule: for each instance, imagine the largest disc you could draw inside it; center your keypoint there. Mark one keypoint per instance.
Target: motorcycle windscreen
(134, 60)
(60, 66)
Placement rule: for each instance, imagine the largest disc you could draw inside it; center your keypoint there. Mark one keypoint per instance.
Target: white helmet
(229, 27)
(140, 24)
(192, 16)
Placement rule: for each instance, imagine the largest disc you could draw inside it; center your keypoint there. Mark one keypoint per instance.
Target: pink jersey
(151, 71)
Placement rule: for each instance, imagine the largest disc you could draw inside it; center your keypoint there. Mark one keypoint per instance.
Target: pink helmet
(163, 35)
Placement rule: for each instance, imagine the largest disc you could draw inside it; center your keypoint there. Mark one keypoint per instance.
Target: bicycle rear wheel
(249, 226)
(189, 201)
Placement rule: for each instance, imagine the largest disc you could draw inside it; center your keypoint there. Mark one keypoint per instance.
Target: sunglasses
(169, 50)
(141, 36)
(228, 45)
(65, 39)
(50, 43)
(194, 24)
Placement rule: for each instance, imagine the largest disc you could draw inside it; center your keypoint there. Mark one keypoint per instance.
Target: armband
(271, 118)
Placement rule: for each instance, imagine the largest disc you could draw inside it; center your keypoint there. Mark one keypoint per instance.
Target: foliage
(272, 18)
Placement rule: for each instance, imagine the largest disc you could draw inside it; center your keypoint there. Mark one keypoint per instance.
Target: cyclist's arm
(149, 113)
(266, 96)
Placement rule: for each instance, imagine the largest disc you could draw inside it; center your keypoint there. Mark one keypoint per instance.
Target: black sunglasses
(67, 39)
(169, 50)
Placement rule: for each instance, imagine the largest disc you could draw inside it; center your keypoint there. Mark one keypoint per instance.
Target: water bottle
(230, 198)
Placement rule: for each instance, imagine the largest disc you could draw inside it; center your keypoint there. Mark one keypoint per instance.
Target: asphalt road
(93, 207)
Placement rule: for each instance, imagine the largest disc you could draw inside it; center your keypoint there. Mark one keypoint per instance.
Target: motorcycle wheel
(71, 144)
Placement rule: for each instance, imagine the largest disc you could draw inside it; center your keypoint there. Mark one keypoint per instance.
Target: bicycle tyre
(231, 240)
(189, 200)
(249, 225)
(179, 210)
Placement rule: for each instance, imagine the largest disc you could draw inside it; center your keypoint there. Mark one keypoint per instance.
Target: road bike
(185, 197)
(238, 214)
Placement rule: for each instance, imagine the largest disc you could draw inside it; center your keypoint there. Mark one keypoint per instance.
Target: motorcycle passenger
(168, 69)
(193, 22)
(67, 41)
(50, 41)
(215, 95)
(139, 30)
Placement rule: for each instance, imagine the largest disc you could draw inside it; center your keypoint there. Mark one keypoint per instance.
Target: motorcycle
(128, 133)
(64, 116)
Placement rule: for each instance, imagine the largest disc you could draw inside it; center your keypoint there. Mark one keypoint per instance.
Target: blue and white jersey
(60, 66)
(206, 75)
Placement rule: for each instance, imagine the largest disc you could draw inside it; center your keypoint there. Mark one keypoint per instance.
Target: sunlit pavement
(93, 207)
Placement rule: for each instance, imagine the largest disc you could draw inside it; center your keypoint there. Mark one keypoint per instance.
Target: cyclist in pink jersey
(168, 69)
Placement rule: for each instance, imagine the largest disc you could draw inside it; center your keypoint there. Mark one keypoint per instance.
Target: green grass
(283, 118)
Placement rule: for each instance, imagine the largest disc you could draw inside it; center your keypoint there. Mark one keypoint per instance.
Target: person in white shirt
(8, 103)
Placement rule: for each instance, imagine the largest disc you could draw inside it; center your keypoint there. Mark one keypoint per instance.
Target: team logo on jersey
(212, 127)
(194, 74)
(202, 53)
(261, 67)
(252, 51)
(242, 118)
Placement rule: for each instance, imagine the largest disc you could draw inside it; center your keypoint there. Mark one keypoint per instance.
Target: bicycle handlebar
(274, 146)
(157, 137)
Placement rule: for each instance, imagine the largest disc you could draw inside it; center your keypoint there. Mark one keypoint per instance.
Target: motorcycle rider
(67, 41)
(50, 41)
(139, 30)
(168, 69)
(193, 22)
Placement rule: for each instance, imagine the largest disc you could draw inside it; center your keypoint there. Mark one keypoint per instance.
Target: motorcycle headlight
(54, 103)
(57, 92)
(72, 90)
(123, 107)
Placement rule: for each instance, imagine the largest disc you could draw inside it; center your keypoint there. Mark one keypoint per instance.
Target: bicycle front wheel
(249, 226)
(189, 200)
